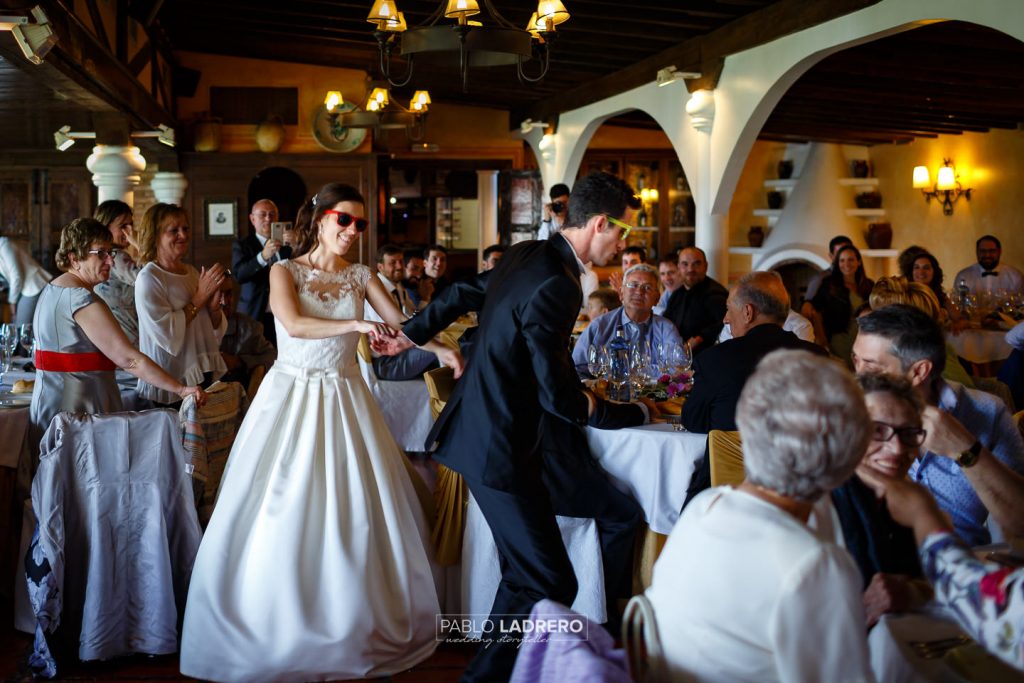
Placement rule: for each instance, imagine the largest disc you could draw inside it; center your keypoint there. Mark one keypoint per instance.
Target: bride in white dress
(315, 564)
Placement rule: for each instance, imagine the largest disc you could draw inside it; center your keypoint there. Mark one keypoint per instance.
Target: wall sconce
(947, 187)
(64, 138)
(648, 195)
(670, 74)
(35, 40)
(164, 135)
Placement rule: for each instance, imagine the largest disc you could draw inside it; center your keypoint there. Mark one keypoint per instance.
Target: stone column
(169, 187)
(116, 171)
(710, 227)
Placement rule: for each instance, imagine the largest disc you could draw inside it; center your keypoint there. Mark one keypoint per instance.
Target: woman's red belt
(54, 361)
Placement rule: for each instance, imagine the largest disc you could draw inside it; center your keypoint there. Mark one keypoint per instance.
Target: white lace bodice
(322, 294)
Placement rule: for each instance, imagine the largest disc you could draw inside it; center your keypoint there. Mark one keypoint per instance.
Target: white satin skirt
(314, 565)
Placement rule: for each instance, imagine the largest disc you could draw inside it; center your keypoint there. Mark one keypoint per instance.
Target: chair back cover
(207, 434)
(117, 535)
(726, 456)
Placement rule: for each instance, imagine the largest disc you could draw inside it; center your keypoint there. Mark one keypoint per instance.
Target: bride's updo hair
(307, 220)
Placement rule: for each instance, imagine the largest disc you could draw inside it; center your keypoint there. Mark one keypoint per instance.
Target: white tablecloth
(981, 346)
(405, 405)
(895, 660)
(653, 464)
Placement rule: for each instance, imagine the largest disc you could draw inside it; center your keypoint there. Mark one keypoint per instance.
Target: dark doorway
(796, 275)
(282, 186)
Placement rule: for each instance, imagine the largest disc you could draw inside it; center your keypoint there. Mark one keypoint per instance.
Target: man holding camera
(251, 258)
(554, 212)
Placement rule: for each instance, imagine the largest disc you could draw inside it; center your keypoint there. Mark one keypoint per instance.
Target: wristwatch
(970, 457)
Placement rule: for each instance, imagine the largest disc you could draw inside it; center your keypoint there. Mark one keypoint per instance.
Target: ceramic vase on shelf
(774, 200)
(879, 235)
(860, 168)
(206, 133)
(786, 168)
(755, 236)
(868, 200)
(270, 135)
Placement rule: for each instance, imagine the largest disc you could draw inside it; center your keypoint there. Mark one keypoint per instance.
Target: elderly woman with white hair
(744, 590)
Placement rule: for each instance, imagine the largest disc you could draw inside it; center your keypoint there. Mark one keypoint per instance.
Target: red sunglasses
(345, 219)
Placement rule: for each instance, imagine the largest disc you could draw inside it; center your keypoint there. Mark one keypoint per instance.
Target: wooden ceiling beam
(705, 54)
(882, 110)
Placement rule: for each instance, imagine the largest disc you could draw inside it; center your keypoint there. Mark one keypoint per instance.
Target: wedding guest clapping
(180, 323)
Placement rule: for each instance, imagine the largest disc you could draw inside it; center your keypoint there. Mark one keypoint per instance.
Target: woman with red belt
(79, 344)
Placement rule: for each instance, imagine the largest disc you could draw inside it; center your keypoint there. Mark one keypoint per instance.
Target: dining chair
(726, 458)
(363, 348)
(450, 493)
(207, 435)
(117, 534)
(644, 655)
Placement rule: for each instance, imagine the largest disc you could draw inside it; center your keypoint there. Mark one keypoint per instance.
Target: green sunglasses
(626, 227)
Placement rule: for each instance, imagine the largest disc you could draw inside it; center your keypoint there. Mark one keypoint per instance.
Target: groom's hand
(390, 346)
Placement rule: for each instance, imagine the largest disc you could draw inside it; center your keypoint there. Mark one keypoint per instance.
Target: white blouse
(184, 350)
(744, 592)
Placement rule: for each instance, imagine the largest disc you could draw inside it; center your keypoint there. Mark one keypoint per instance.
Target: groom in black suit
(513, 425)
(251, 258)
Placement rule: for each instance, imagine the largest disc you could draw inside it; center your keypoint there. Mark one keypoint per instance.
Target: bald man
(697, 307)
(251, 258)
(756, 311)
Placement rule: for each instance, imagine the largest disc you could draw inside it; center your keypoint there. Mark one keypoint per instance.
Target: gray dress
(77, 392)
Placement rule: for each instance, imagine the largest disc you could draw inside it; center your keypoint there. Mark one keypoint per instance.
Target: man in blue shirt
(639, 294)
(973, 457)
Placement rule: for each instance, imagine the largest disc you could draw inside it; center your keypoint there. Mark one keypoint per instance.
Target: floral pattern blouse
(119, 293)
(987, 598)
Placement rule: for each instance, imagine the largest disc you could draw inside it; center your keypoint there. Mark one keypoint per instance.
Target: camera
(557, 207)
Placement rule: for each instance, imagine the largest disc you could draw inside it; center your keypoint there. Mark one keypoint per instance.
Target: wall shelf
(858, 182)
(865, 213)
(880, 253)
(682, 228)
(768, 213)
(749, 251)
(781, 183)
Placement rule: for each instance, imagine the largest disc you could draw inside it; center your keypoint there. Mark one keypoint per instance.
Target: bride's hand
(452, 359)
(375, 330)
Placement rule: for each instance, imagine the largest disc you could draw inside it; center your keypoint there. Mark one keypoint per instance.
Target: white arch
(751, 84)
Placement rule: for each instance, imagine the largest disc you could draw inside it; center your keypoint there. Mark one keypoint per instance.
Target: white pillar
(487, 198)
(116, 171)
(711, 228)
(169, 187)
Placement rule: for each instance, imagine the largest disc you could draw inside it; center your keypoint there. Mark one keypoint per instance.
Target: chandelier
(381, 112)
(494, 42)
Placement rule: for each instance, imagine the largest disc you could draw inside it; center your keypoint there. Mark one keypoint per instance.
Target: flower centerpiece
(671, 386)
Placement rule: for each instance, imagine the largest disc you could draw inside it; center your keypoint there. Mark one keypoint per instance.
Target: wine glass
(594, 361)
(603, 361)
(28, 340)
(8, 342)
(685, 357)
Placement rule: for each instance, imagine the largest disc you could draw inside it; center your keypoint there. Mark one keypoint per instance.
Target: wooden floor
(445, 666)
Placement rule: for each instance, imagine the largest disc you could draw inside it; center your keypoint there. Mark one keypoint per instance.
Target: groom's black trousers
(566, 481)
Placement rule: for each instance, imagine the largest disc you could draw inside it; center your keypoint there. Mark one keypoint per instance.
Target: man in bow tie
(988, 275)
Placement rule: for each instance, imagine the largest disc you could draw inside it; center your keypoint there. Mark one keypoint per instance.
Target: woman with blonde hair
(180, 321)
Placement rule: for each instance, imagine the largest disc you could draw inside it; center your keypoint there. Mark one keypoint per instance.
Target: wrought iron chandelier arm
(545, 59)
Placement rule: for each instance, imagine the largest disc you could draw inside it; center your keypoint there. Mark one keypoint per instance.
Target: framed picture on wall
(221, 218)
